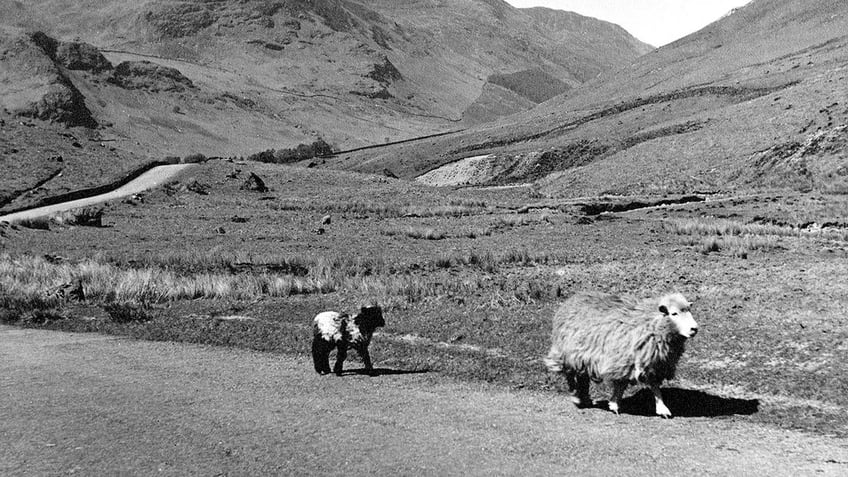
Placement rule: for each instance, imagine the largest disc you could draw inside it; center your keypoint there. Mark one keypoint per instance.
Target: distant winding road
(148, 180)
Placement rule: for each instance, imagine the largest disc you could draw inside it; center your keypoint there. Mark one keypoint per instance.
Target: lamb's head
(370, 318)
(676, 307)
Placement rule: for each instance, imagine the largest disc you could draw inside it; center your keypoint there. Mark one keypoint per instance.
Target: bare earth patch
(144, 407)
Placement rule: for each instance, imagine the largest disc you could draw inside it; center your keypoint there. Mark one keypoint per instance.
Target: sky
(656, 22)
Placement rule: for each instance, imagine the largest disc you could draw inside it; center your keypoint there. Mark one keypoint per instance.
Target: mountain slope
(273, 74)
(757, 99)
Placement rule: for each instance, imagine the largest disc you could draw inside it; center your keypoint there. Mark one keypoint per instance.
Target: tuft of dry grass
(456, 208)
(426, 233)
(39, 282)
(737, 246)
(725, 227)
(737, 238)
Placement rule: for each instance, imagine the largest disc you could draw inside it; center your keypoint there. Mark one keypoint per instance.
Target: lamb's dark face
(676, 307)
(370, 317)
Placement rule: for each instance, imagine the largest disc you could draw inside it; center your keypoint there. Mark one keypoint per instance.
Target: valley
(468, 165)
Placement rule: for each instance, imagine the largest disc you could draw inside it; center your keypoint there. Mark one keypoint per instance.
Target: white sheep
(342, 331)
(619, 340)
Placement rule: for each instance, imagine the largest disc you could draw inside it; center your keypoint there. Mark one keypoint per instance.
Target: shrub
(38, 223)
(194, 158)
(302, 152)
(85, 217)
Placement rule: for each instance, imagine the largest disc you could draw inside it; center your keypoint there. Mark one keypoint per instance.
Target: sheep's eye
(674, 314)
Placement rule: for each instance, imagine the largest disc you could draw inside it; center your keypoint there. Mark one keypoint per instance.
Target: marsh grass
(737, 246)
(30, 283)
(426, 233)
(724, 227)
(33, 282)
(737, 238)
(215, 260)
(490, 262)
(455, 208)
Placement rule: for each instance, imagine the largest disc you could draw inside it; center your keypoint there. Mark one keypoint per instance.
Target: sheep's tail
(553, 361)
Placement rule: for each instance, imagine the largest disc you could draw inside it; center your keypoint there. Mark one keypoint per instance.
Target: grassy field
(468, 278)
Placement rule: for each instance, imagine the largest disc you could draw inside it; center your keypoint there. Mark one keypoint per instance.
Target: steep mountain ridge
(354, 72)
(756, 99)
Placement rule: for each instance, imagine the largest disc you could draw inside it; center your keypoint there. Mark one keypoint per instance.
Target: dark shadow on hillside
(686, 403)
(384, 371)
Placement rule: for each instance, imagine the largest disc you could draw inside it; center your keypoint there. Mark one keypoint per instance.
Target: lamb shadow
(384, 371)
(686, 403)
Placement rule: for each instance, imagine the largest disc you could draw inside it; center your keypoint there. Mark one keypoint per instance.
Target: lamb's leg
(366, 360)
(662, 410)
(321, 355)
(618, 388)
(341, 354)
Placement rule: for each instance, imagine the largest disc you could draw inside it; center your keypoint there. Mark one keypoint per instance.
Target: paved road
(88, 404)
(150, 179)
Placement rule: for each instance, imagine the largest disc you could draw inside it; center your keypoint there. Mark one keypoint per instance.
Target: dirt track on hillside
(150, 179)
(95, 405)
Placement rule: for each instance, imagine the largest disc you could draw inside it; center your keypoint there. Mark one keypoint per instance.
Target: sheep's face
(676, 308)
(370, 317)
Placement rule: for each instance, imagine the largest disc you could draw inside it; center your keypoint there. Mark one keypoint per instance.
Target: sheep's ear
(663, 310)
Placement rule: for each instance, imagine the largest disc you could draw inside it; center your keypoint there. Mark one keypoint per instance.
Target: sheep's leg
(341, 354)
(578, 384)
(321, 355)
(662, 410)
(570, 378)
(618, 388)
(366, 360)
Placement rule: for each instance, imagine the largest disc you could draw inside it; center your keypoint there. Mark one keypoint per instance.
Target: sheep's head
(370, 317)
(676, 307)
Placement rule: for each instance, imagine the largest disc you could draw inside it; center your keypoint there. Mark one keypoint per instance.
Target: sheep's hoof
(663, 412)
(613, 406)
(581, 403)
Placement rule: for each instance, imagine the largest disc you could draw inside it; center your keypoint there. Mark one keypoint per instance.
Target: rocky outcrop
(149, 76)
(32, 83)
(81, 56)
(74, 55)
(384, 73)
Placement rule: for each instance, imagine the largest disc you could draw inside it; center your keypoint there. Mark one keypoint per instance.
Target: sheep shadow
(686, 403)
(383, 372)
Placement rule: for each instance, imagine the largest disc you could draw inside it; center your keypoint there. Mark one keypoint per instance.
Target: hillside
(273, 74)
(754, 100)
